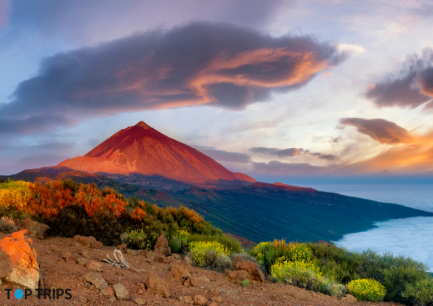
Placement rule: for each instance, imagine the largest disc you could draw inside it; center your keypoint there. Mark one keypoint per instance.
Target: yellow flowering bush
(14, 195)
(182, 234)
(304, 274)
(283, 267)
(367, 290)
(198, 250)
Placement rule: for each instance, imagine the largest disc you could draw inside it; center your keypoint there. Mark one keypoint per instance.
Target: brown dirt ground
(59, 274)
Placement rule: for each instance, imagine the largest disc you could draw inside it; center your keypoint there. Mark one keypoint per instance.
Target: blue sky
(274, 89)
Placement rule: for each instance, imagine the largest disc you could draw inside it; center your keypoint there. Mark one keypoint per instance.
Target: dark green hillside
(261, 215)
(259, 212)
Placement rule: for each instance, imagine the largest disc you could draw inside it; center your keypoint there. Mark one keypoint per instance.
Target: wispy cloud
(200, 63)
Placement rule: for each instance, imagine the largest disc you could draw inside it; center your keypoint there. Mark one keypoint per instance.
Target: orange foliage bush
(49, 199)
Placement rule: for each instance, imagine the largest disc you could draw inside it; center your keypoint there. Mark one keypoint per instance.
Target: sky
(279, 90)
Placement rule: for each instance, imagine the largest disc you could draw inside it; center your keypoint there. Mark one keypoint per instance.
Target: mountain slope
(258, 212)
(143, 150)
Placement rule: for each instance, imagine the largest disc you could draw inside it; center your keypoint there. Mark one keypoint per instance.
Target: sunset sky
(275, 89)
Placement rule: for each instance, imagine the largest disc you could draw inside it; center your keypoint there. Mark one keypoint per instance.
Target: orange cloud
(199, 63)
(381, 130)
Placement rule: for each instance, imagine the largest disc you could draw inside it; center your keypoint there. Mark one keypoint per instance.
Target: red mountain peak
(143, 125)
(143, 150)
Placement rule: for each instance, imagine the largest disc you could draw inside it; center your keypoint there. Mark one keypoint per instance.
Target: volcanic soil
(62, 273)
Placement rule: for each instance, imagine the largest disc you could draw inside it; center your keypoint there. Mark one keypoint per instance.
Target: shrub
(245, 283)
(267, 253)
(137, 238)
(394, 272)
(216, 261)
(7, 225)
(367, 290)
(230, 244)
(14, 197)
(338, 263)
(305, 275)
(420, 293)
(198, 250)
(175, 244)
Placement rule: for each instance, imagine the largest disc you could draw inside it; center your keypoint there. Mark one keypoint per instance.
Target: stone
(132, 252)
(36, 229)
(253, 270)
(298, 295)
(121, 292)
(89, 242)
(94, 266)
(156, 285)
(82, 261)
(96, 279)
(161, 245)
(162, 258)
(348, 298)
(122, 247)
(150, 255)
(108, 291)
(213, 292)
(112, 299)
(217, 299)
(176, 256)
(140, 301)
(179, 273)
(200, 300)
(192, 282)
(19, 263)
(242, 275)
(187, 260)
(186, 299)
(85, 254)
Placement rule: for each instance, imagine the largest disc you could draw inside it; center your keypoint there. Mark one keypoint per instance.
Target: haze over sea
(409, 237)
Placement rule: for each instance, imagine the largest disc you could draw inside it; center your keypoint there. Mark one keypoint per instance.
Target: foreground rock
(89, 242)
(96, 279)
(35, 229)
(161, 246)
(121, 292)
(156, 285)
(179, 273)
(18, 261)
(253, 270)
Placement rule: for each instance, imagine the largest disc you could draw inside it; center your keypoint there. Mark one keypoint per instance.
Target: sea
(412, 237)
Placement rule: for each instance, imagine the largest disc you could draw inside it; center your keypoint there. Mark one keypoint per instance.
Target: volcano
(140, 149)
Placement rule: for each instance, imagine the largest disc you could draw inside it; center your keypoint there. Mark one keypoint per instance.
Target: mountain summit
(140, 149)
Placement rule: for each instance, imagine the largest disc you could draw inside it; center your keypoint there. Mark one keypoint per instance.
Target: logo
(18, 294)
(54, 294)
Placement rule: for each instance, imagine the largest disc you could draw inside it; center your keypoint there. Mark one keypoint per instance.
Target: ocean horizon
(408, 236)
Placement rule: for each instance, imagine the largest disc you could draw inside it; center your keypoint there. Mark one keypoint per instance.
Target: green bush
(231, 244)
(199, 249)
(139, 238)
(245, 283)
(420, 293)
(305, 275)
(216, 261)
(268, 252)
(175, 243)
(338, 263)
(367, 290)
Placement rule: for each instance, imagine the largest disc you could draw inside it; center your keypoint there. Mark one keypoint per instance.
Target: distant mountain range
(140, 161)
